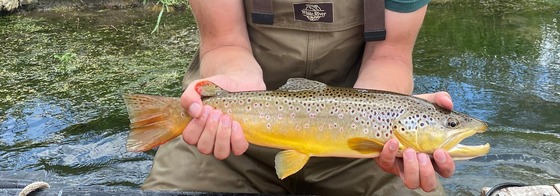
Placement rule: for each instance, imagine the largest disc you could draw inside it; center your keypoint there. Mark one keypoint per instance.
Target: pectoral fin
(365, 145)
(289, 162)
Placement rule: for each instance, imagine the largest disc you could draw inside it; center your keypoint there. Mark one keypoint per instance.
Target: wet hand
(212, 131)
(416, 169)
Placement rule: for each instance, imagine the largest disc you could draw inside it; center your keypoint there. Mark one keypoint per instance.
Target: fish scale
(308, 118)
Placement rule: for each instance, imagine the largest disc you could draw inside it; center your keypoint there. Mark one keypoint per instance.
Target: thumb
(191, 100)
(441, 98)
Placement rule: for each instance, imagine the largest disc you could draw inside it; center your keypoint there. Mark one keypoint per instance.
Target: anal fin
(289, 162)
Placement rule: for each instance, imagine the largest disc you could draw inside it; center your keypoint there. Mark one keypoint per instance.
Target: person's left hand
(416, 169)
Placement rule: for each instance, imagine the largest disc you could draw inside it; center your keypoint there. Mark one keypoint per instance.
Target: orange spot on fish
(200, 86)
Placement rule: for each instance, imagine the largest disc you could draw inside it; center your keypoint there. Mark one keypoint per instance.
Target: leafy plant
(165, 7)
(67, 62)
(66, 57)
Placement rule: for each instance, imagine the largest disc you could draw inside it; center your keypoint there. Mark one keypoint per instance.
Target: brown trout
(308, 118)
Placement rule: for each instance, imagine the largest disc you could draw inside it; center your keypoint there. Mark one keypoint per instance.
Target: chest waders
(318, 40)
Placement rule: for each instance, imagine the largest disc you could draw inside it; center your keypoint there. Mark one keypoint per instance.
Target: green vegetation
(165, 6)
(66, 57)
(91, 57)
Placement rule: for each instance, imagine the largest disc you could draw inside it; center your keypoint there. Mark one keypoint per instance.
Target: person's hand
(210, 130)
(416, 169)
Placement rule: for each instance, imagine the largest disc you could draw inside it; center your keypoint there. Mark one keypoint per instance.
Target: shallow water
(62, 118)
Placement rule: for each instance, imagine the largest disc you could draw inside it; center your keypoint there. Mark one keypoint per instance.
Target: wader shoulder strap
(262, 12)
(374, 17)
(374, 20)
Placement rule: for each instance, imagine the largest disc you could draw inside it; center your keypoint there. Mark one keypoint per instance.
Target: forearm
(386, 74)
(387, 65)
(225, 48)
(231, 60)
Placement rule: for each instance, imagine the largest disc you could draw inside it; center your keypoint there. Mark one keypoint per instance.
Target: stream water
(63, 74)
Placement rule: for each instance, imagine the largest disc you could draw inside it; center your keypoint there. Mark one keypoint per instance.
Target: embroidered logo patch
(314, 12)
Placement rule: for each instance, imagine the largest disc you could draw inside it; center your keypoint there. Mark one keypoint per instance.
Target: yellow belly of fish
(308, 137)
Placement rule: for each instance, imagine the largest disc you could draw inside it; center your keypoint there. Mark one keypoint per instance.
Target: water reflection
(94, 161)
(509, 157)
(34, 120)
(502, 56)
(548, 87)
(500, 62)
(42, 134)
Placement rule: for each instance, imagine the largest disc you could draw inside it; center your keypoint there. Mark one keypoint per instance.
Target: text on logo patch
(314, 12)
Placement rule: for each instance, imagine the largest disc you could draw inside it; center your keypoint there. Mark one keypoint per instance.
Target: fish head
(428, 130)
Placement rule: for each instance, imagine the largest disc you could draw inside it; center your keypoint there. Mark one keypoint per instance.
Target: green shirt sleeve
(405, 6)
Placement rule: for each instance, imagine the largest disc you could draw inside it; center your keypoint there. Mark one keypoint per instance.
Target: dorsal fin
(302, 84)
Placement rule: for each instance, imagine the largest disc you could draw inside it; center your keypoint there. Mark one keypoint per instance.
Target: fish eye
(452, 122)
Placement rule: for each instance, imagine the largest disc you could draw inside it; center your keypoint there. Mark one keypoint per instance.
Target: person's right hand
(416, 170)
(212, 131)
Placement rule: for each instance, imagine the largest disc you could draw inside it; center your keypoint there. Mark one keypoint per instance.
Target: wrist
(386, 74)
(227, 60)
(403, 85)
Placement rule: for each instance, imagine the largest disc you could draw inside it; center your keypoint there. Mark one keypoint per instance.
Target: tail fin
(154, 120)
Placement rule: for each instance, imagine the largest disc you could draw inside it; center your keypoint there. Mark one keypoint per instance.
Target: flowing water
(63, 74)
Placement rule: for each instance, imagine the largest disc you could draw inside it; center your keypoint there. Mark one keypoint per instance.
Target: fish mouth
(463, 152)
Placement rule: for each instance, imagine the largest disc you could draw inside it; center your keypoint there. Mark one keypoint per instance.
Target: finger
(191, 133)
(223, 134)
(442, 99)
(428, 179)
(386, 159)
(191, 100)
(444, 164)
(208, 138)
(239, 143)
(410, 174)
